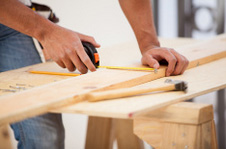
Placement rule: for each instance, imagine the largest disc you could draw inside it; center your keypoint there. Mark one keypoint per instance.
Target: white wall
(100, 18)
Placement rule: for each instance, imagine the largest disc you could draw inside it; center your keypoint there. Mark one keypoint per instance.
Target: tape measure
(94, 57)
(92, 53)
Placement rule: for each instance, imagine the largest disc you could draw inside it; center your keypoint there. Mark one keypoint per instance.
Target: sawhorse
(182, 125)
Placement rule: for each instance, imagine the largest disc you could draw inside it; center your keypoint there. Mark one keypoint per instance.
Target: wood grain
(172, 127)
(201, 80)
(41, 99)
(183, 112)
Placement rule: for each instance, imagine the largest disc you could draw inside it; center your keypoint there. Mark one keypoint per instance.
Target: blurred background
(104, 20)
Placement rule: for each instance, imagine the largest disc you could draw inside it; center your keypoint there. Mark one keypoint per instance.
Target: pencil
(54, 73)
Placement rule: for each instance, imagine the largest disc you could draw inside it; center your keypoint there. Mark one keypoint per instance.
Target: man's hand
(62, 45)
(177, 63)
(65, 48)
(139, 15)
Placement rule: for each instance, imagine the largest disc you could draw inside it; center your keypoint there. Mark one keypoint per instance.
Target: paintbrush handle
(125, 92)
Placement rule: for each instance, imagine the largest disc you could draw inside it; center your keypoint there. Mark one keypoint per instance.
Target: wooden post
(126, 139)
(5, 142)
(102, 132)
(183, 125)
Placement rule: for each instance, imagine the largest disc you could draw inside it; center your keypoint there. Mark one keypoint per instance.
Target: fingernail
(155, 66)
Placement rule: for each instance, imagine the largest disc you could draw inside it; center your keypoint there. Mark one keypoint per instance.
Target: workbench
(160, 119)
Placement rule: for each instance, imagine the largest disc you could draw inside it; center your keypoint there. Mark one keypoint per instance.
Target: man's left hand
(177, 63)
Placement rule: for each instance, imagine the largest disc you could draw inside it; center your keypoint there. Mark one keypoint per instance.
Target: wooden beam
(39, 100)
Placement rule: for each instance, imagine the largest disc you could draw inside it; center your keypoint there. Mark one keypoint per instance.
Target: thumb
(93, 42)
(89, 39)
(150, 61)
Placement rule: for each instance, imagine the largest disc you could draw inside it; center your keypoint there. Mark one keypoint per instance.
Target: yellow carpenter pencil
(54, 73)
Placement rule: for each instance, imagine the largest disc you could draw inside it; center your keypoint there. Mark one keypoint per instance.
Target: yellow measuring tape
(128, 68)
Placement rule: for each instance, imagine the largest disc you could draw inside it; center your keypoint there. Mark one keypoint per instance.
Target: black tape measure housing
(92, 53)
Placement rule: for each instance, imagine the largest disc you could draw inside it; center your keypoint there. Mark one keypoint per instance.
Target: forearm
(139, 15)
(21, 18)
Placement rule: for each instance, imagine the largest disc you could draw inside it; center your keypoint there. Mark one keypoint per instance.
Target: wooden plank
(63, 92)
(210, 51)
(42, 99)
(21, 77)
(27, 80)
(201, 80)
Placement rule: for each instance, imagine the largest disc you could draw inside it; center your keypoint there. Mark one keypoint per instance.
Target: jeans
(41, 132)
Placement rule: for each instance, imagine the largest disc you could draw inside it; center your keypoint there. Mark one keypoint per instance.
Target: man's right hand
(62, 45)
(65, 48)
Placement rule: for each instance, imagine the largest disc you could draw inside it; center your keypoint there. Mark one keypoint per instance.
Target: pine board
(27, 80)
(41, 99)
(201, 80)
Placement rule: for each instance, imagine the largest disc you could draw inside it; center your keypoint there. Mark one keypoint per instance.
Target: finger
(181, 62)
(68, 63)
(78, 63)
(185, 66)
(85, 58)
(89, 39)
(60, 63)
(150, 61)
(172, 61)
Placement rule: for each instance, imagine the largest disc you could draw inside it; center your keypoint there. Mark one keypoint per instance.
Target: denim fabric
(16, 50)
(41, 132)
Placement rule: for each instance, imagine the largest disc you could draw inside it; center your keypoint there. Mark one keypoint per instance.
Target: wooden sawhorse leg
(102, 132)
(183, 125)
